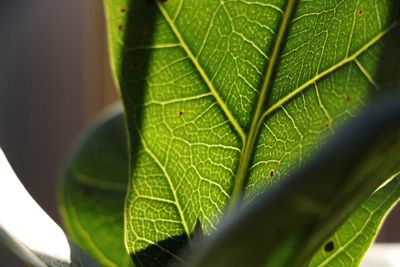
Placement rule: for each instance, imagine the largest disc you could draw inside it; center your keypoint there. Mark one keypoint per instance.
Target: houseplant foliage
(94, 189)
(223, 100)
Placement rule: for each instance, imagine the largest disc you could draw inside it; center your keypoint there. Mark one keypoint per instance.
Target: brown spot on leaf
(120, 27)
(330, 246)
(360, 11)
(328, 124)
(271, 173)
(347, 98)
(122, 10)
(180, 113)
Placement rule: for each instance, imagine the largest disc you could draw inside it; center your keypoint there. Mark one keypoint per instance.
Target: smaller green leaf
(350, 243)
(93, 192)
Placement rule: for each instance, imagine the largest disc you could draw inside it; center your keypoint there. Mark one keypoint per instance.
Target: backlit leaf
(226, 97)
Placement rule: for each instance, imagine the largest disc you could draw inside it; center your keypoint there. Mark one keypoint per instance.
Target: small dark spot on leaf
(120, 27)
(164, 1)
(327, 124)
(180, 113)
(360, 11)
(271, 173)
(330, 246)
(347, 98)
(123, 10)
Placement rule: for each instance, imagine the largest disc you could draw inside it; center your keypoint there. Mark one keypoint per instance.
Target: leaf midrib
(254, 130)
(249, 139)
(87, 180)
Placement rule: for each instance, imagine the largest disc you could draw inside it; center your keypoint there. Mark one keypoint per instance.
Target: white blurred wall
(54, 77)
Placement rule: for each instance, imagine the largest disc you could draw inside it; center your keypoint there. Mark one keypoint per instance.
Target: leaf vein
(328, 71)
(169, 180)
(252, 137)
(366, 74)
(202, 73)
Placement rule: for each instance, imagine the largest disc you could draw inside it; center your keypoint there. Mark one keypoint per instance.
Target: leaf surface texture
(224, 97)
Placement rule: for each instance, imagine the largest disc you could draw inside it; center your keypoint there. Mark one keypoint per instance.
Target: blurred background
(54, 79)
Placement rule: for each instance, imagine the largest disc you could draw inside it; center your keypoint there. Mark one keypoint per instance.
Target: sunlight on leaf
(230, 96)
(349, 244)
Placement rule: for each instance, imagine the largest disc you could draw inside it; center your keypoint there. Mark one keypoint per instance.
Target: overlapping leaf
(288, 223)
(93, 192)
(349, 244)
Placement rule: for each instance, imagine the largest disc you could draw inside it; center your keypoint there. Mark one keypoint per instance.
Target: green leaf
(287, 224)
(93, 192)
(349, 244)
(226, 97)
